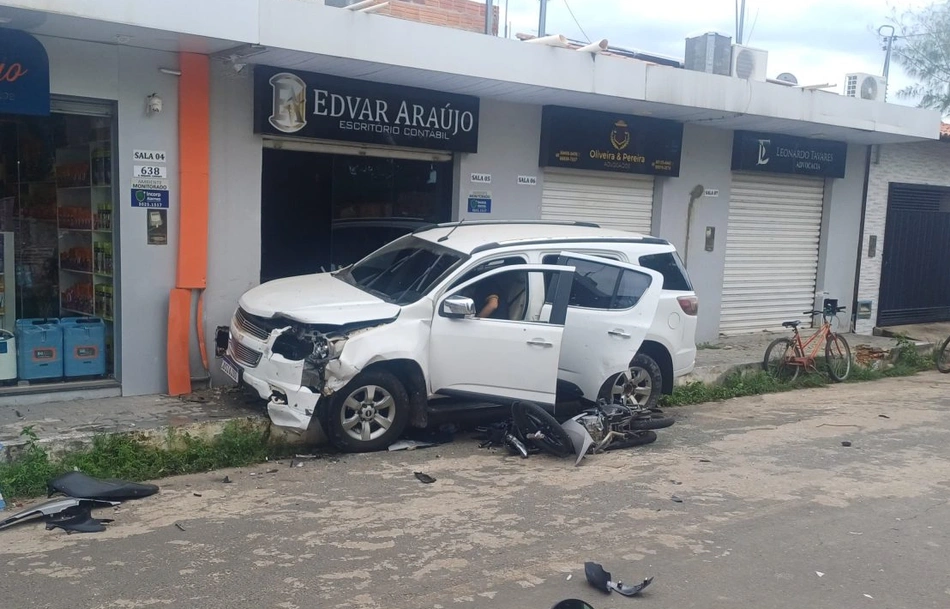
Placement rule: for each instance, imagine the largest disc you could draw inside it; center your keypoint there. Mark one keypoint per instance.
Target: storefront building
(904, 261)
(319, 150)
(66, 169)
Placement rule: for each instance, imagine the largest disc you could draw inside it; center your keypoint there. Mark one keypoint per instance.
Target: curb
(58, 445)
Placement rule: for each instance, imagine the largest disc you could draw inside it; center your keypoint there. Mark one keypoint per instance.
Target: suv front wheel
(369, 414)
(643, 379)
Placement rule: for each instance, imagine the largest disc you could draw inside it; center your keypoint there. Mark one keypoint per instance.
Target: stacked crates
(40, 349)
(84, 346)
(53, 348)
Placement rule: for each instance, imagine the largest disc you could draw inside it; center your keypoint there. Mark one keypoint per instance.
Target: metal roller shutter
(771, 251)
(623, 202)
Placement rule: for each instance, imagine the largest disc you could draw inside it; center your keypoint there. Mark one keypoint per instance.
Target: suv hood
(316, 299)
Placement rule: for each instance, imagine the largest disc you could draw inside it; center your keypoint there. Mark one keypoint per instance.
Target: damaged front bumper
(286, 366)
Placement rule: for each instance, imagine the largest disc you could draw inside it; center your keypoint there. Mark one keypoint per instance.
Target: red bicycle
(785, 358)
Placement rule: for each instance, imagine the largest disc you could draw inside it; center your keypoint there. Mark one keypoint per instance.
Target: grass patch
(906, 360)
(132, 458)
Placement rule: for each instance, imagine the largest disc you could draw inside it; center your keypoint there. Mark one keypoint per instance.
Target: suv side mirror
(458, 307)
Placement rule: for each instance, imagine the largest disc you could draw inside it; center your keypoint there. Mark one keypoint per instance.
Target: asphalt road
(775, 513)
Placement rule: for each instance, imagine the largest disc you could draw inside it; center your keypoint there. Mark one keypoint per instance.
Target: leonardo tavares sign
(304, 104)
(602, 141)
(777, 153)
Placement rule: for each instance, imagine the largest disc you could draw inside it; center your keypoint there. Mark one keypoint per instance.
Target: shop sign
(777, 153)
(601, 141)
(481, 178)
(151, 156)
(527, 180)
(150, 194)
(24, 74)
(304, 104)
(479, 202)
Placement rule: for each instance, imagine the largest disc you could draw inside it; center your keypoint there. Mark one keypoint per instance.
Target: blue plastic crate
(39, 348)
(84, 346)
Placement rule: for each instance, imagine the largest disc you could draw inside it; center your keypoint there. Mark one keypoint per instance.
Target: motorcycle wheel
(634, 438)
(530, 418)
(650, 422)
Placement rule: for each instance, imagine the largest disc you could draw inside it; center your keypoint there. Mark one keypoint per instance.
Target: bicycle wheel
(943, 357)
(778, 360)
(837, 357)
(537, 426)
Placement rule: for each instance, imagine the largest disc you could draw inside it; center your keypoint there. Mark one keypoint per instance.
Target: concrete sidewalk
(747, 351)
(70, 425)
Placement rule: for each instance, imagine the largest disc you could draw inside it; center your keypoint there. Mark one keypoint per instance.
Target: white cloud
(817, 40)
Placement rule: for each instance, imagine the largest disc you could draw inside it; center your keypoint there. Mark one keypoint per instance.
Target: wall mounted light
(170, 72)
(153, 104)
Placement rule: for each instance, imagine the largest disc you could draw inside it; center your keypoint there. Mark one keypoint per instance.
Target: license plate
(230, 368)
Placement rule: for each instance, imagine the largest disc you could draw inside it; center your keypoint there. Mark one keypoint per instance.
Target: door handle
(618, 332)
(540, 342)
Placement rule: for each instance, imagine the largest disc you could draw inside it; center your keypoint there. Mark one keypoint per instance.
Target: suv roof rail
(490, 222)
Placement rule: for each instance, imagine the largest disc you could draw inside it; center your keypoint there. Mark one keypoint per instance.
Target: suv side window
(599, 286)
(487, 266)
(671, 267)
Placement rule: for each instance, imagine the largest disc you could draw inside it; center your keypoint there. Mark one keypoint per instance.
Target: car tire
(369, 414)
(648, 377)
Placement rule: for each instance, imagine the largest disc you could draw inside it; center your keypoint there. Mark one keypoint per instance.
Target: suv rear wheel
(369, 414)
(643, 379)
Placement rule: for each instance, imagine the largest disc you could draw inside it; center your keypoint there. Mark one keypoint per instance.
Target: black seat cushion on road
(81, 486)
(791, 324)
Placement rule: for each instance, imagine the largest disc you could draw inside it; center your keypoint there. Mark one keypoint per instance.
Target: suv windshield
(403, 271)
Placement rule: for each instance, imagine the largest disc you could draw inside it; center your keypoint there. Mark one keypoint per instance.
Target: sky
(819, 41)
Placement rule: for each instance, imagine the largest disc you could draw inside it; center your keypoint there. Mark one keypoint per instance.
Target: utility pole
(889, 42)
(543, 20)
(740, 20)
(489, 9)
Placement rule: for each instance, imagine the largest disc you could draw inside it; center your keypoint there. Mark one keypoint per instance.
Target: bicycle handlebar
(837, 310)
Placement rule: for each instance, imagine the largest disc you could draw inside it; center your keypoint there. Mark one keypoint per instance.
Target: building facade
(904, 262)
(244, 151)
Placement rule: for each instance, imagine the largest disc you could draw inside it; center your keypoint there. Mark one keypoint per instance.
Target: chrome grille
(244, 355)
(250, 325)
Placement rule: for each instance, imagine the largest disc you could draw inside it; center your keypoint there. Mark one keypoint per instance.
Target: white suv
(496, 311)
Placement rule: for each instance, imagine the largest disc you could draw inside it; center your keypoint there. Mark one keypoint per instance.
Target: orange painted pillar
(194, 157)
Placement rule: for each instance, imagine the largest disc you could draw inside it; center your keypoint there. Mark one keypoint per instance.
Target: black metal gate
(915, 273)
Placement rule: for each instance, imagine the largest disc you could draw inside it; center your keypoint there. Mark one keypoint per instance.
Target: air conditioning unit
(865, 86)
(709, 52)
(749, 63)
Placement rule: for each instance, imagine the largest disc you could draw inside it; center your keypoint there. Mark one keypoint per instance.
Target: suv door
(508, 356)
(611, 308)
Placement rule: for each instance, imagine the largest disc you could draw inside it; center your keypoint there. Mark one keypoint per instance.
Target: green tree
(922, 49)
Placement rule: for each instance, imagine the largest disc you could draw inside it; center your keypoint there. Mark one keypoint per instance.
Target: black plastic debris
(424, 478)
(227, 480)
(676, 499)
(54, 508)
(81, 486)
(601, 579)
(77, 519)
(883, 416)
(846, 443)
(179, 527)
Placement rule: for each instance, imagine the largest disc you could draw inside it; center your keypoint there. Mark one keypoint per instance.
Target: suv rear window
(671, 267)
(601, 286)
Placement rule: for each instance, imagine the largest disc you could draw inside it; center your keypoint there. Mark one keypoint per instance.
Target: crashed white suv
(493, 311)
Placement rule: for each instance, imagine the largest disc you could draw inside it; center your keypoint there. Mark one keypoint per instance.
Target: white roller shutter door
(771, 251)
(623, 202)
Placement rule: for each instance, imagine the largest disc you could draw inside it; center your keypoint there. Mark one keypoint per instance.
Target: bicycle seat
(791, 324)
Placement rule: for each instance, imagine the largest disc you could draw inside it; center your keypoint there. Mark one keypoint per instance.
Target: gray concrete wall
(509, 140)
(923, 163)
(705, 161)
(234, 243)
(840, 233)
(145, 272)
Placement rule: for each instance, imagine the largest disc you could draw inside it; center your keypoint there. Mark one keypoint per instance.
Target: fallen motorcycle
(530, 429)
(613, 426)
